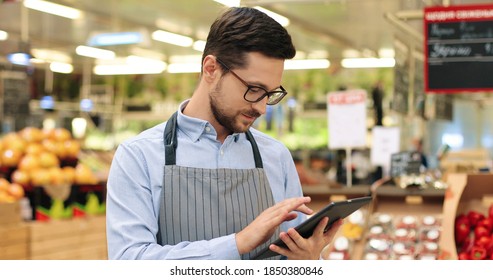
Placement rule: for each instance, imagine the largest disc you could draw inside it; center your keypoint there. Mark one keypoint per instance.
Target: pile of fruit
(474, 235)
(10, 192)
(35, 157)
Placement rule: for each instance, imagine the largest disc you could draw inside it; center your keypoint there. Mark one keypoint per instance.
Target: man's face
(229, 107)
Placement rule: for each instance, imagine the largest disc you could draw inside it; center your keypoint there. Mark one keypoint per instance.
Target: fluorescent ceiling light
(199, 45)
(22, 55)
(184, 68)
(368, 62)
(172, 38)
(129, 66)
(51, 55)
(19, 58)
(127, 69)
(52, 8)
(61, 67)
(118, 38)
(298, 64)
(94, 52)
(3, 35)
(229, 3)
(282, 20)
(186, 59)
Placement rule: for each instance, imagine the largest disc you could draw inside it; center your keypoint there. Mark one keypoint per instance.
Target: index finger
(285, 208)
(295, 203)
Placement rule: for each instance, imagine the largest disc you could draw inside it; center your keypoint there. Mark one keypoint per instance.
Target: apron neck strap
(171, 142)
(256, 153)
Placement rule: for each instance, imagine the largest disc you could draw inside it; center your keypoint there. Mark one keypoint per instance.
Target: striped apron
(202, 204)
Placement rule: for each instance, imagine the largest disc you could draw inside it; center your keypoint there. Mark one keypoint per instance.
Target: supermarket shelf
(361, 190)
(389, 190)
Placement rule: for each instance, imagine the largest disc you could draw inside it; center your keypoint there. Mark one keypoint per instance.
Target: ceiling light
(172, 38)
(186, 59)
(119, 38)
(184, 68)
(61, 67)
(229, 3)
(282, 20)
(368, 62)
(298, 64)
(3, 35)
(19, 58)
(22, 56)
(52, 8)
(129, 66)
(199, 45)
(94, 52)
(127, 69)
(52, 55)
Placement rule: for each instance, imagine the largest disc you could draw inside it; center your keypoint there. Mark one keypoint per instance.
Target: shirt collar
(194, 127)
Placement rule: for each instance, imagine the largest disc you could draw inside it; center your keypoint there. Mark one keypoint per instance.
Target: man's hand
(264, 226)
(299, 248)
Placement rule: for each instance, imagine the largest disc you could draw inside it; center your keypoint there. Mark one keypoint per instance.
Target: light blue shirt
(136, 177)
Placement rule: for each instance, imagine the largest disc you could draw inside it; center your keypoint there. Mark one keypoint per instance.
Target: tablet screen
(335, 211)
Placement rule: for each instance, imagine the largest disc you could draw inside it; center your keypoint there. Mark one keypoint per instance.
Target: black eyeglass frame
(254, 89)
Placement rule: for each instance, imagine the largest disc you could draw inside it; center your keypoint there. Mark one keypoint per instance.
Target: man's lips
(252, 116)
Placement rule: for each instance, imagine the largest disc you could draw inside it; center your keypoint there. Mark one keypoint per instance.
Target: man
(227, 190)
(377, 94)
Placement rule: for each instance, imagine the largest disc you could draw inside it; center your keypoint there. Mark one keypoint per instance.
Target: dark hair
(240, 30)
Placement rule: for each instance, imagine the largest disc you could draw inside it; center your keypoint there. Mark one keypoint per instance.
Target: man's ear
(210, 68)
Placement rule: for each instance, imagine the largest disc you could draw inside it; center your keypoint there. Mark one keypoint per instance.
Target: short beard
(221, 116)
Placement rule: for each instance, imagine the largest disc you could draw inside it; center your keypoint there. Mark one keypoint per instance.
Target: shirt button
(222, 152)
(208, 129)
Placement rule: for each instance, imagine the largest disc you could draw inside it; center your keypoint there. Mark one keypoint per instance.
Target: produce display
(43, 165)
(402, 237)
(10, 192)
(474, 235)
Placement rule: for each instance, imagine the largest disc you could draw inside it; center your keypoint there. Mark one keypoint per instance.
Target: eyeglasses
(254, 94)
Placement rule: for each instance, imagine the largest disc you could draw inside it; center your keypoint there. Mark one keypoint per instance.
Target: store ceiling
(317, 27)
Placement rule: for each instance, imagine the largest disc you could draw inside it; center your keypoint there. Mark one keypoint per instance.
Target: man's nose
(261, 106)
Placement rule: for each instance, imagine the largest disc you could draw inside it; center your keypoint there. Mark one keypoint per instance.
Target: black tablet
(335, 211)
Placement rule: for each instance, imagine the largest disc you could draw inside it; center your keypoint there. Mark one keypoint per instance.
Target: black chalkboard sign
(458, 48)
(14, 101)
(405, 163)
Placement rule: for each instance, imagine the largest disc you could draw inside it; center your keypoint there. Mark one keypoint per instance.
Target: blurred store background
(79, 77)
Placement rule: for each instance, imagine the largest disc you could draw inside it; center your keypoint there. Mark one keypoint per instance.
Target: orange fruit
(16, 191)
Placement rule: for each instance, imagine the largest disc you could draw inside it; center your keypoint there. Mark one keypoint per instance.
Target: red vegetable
(483, 241)
(478, 253)
(462, 218)
(467, 244)
(481, 231)
(474, 217)
(463, 256)
(490, 211)
(461, 231)
(487, 223)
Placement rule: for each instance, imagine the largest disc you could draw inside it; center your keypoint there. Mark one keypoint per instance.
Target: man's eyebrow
(262, 85)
